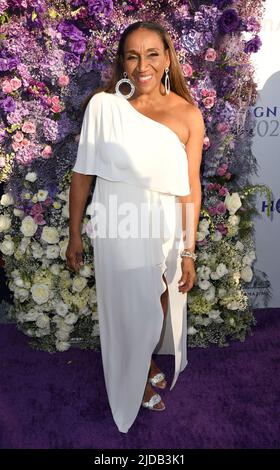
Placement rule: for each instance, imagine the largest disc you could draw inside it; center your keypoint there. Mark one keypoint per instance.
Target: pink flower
(39, 219)
(211, 186)
(36, 209)
(222, 229)
(221, 171)
(29, 127)
(221, 208)
(2, 162)
(206, 143)
(15, 83)
(56, 108)
(16, 146)
(25, 142)
(223, 191)
(63, 80)
(212, 210)
(228, 175)
(223, 127)
(55, 99)
(47, 152)
(18, 137)
(211, 54)
(208, 102)
(187, 70)
(7, 87)
(204, 92)
(48, 201)
(212, 93)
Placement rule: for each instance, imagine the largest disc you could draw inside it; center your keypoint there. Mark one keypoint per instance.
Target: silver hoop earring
(129, 82)
(167, 81)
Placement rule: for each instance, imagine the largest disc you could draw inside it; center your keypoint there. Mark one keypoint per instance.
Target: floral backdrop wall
(52, 55)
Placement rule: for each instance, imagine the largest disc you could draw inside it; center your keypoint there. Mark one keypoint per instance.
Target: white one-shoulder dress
(141, 168)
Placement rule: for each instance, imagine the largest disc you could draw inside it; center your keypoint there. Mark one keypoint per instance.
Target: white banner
(266, 148)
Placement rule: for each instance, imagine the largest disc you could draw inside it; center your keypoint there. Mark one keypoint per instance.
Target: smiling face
(145, 60)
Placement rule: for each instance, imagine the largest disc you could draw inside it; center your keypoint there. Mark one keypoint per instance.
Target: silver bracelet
(188, 254)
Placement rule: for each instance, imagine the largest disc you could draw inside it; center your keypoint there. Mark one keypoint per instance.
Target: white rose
(43, 321)
(234, 305)
(71, 318)
(62, 335)
(7, 200)
(31, 176)
(217, 236)
(221, 269)
(37, 252)
(65, 211)
(32, 315)
(61, 309)
(214, 314)
(222, 292)
(5, 223)
(200, 236)
(7, 246)
(24, 244)
(42, 195)
(249, 258)
(204, 225)
(92, 296)
(62, 345)
(40, 293)
(52, 251)
(18, 212)
(79, 283)
(50, 235)
(19, 282)
(28, 226)
(21, 294)
(86, 271)
(232, 202)
(192, 330)
(239, 246)
(55, 269)
(63, 247)
(246, 274)
(234, 220)
(203, 272)
(204, 284)
(209, 294)
(63, 196)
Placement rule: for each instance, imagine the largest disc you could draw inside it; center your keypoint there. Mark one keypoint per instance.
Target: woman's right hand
(74, 253)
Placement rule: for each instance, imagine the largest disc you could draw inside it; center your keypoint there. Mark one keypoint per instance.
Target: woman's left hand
(188, 278)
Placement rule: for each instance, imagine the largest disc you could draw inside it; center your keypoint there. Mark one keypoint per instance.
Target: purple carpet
(225, 398)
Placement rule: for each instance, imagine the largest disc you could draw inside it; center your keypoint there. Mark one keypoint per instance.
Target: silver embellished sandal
(154, 400)
(156, 379)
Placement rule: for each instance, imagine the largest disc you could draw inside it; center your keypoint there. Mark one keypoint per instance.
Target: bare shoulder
(188, 115)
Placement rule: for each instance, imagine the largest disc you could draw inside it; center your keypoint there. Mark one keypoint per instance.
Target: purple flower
(253, 45)
(78, 47)
(7, 64)
(222, 229)
(100, 6)
(229, 21)
(70, 31)
(221, 4)
(221, 208)
(8, 104)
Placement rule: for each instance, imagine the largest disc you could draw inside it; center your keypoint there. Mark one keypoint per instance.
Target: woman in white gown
(145, 154)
